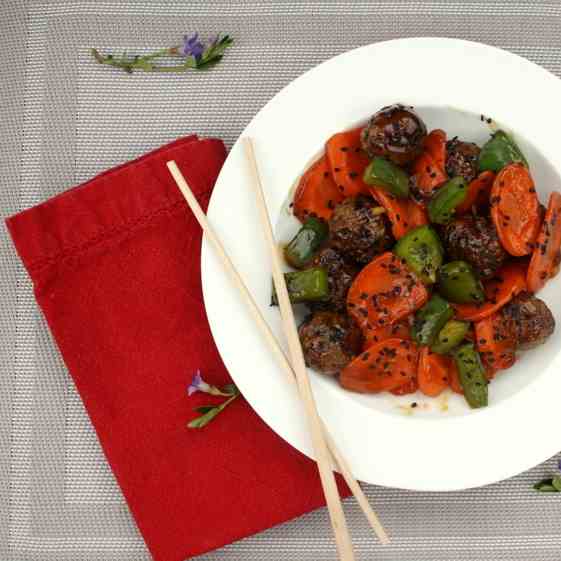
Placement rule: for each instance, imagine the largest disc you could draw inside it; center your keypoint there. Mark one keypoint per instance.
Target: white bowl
(441, 444)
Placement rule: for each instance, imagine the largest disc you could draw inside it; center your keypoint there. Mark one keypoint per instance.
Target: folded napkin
(115, 264)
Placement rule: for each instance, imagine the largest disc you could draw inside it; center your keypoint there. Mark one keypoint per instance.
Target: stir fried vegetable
(472, 376)
(546, 256)
(509, 281)
(430, 319)
(306, 242)
(422, 250)
(500, 151)
(515, 209)
(443, 206)
(458, 283)
(382, 367)
(450, 336)
(388, 176)
(305, 286)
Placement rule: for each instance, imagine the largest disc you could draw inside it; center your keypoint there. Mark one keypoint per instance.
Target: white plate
(451, 83)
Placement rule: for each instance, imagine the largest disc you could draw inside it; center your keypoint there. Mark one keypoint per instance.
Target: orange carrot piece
(429, 168)
(384, 366)
(509, 281)
(432, 372)
(403, 214)
(316, 194)
(546, 257)
(409, 387)
(496, 342)
(515, 209)
(384, 292)
(348, 162)
(400, 329)
(477, 192)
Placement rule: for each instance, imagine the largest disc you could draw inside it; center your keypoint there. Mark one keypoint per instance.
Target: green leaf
(545, 486)
(230, 389)
(204, 409)
(204, 420)
(556, 482)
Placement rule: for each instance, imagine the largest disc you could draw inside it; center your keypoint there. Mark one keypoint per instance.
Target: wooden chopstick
(272, 342)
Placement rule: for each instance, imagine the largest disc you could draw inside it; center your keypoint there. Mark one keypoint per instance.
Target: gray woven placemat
(63, 119)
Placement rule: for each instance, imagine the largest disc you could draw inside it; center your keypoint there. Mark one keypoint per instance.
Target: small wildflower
(198, 384)
(192, 54)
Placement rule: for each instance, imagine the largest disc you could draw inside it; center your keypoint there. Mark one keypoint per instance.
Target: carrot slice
(384, 366)
(409, 387)
(429, 168)
(507, 283)
(454, 377)
(384, 292)
(435, 145)
(348, 162)
(496, 342)
(432, 372)
(400, 329)
(547, 253)
(477, 192)
(403, 214)
(515, 209)
(316, 194)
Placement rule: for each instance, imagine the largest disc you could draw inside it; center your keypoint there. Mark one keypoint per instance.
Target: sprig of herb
(192, 54)
(209, 412)
(550, 485)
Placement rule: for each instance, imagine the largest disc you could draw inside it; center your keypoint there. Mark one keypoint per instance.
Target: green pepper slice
(499, 151)
(443, 205)
(306, 242)
(458, 283)
(422, 251)
(305, 286)
(388, 176)
(472, 376)
(451, 335)
(430, 319)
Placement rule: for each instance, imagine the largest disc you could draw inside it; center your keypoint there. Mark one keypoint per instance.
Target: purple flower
(559, 465)
(192, 46)
(198, 384)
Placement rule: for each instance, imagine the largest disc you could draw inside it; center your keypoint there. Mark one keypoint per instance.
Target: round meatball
(530, 318)
(329, 341)
(475, 240)
(356, 232)
(396, 132)
(340, 276)
(462, 159)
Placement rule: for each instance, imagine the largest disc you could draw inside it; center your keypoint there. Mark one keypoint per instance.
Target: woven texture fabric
(64, 119)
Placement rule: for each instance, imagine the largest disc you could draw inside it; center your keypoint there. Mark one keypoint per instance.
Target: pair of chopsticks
(324, 447)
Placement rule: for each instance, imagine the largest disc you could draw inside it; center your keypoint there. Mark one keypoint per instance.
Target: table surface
(65, 119)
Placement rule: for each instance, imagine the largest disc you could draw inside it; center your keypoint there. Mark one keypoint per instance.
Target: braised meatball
(475, 240)
(357, 232)
(396, 132)
(531, 320)
(340, 275)
(462, 159)
(329, 341)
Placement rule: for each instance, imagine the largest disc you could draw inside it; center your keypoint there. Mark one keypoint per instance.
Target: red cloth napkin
(115, 264)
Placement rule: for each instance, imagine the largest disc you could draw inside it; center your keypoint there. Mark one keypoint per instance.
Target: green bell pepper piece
(443, 205)
(499, 151)
(306, 242)
(472, 375)
(458, 283)
(386, 175)
(430, 319)
(451, 335)
(422, 251)
(309, 285)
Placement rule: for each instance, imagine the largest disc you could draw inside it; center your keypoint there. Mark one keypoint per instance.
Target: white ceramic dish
(441, 444)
